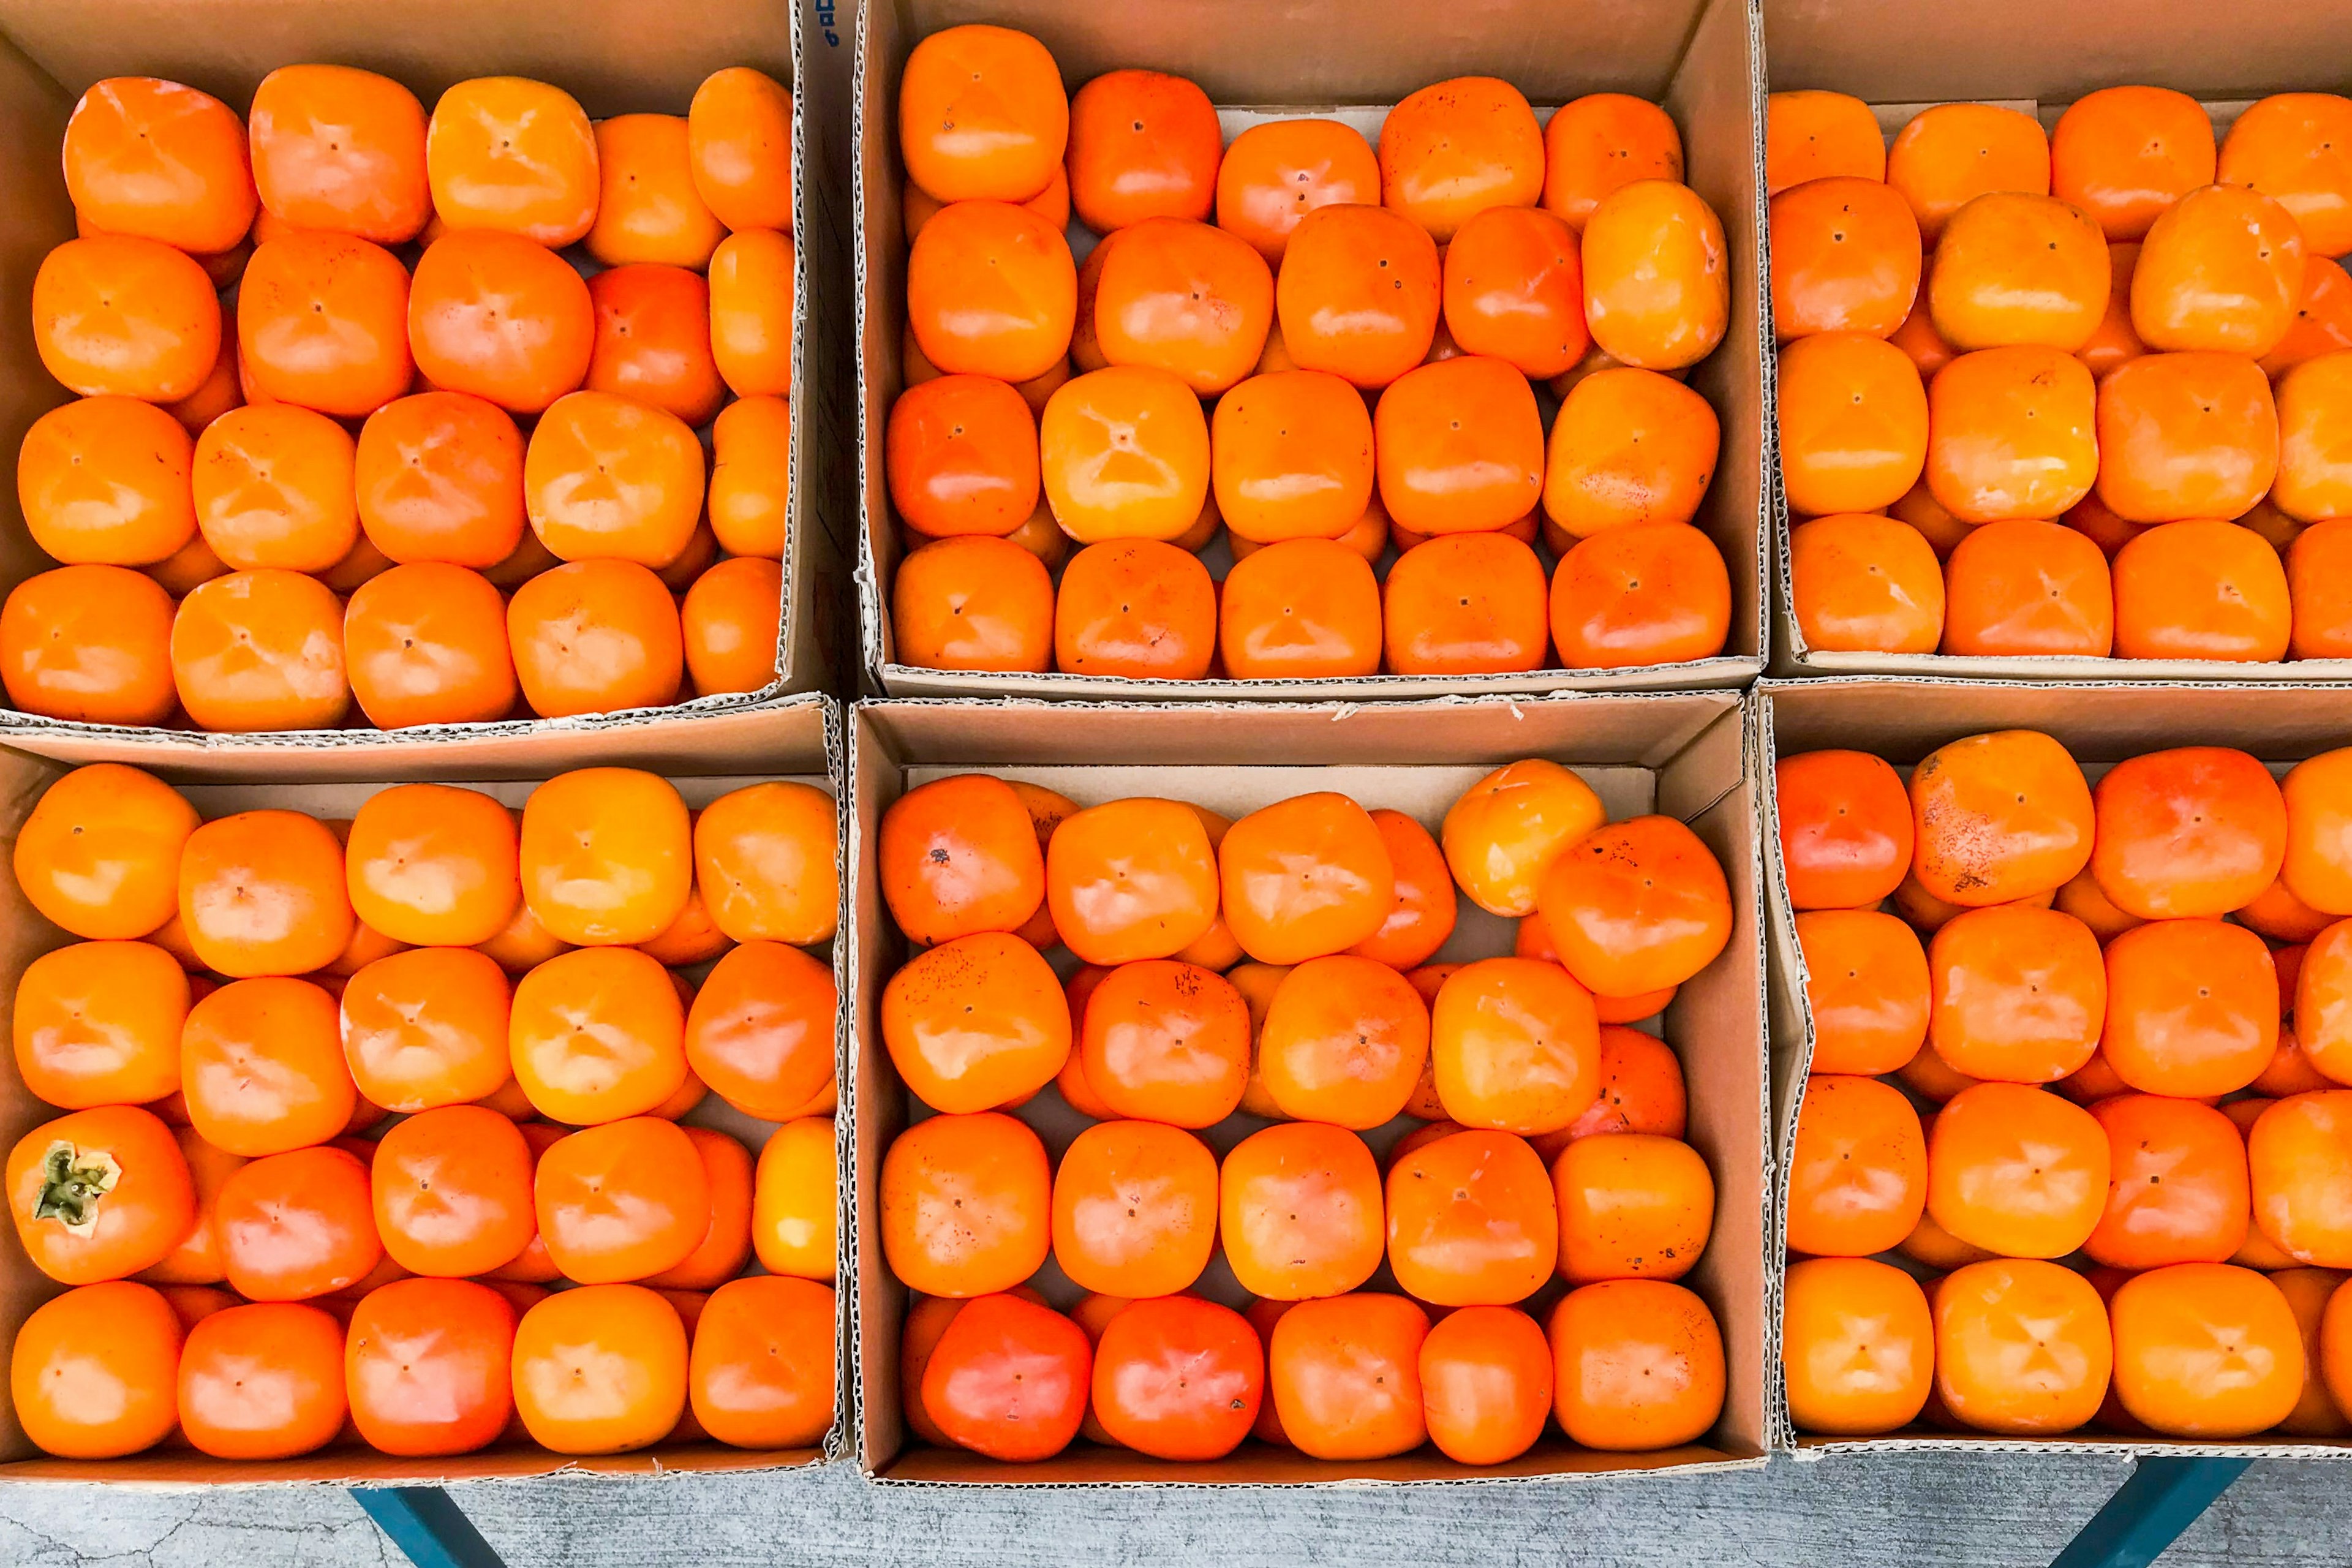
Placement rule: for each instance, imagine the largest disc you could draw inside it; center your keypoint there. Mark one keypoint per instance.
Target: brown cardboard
(799, 739)
(1903, 721)
(1329, 57)
(1903, 55)
(615, 57)
(1685, 755)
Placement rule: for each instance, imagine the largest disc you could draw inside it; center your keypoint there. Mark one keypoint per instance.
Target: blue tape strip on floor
(430, 1530)
(2147, 1513)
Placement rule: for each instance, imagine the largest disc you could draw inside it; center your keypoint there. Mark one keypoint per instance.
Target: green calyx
(73, 1180)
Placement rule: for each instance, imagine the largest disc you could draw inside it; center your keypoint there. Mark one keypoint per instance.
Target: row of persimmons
(1279, 965)
(2130, 1187)
(371, 1128)
(207, 499)
(2007, 357)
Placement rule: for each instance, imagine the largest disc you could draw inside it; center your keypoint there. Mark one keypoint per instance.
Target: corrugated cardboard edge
(179, 1471)
(1791, 1040)
(879, 675)
(1735, 719)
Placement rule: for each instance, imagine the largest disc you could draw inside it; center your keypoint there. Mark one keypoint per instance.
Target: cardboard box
(1685, 755)
(616, 57)
(1331, 58)
(1903, 55)
(1903, 721)
(798, 740)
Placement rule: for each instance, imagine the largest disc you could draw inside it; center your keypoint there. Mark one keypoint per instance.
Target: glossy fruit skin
(1853, 423)
(1291, 455)
(154, 158)
(1167, 1041)
(1132, 880)
(99, 1193)
(2186, 436)
(1514, 289)
(1333, 312)
(1596, 143)
(962, 456)
(158, 345)
(652, 339)
(1818, 135)
(2294, 1154)
(973, 603)
(2010, 434)
(92, 1373)
(512, 156)
(2192, 1007)
(597, 1036)
(1845, 257)
(1009, 1379)
(2222, 271)
(1471, 1220)
(1504, 831)
(1845, 829)
(2125, 154)
(965, 1204)
(496, 316)
(2014, 268)
(982, 114)
(2178, 1191)
(1866, 990)
(322, 322)
(1858, 1178)
(1951, 153)
(1298, 610)
(2021, 1347)
(973, 1024)
(739, 136)
(453, 1192)
(647, 210)
(98, 1024)
(2201, 589)
(1136, 608)
(2206, 1350)
(2017, 1170)
(1975, 843)
(2318, 998)
(1275, 174)
(262, 1381)
(1629, 446)
(433, 864)
(1636, 905)
(793, 1200)
(1134, 1210)
(1177, 1378)
(1857, 1346)
(427, 1028)
(623, 1200)
(1515, 1046)
(1657, 290)
(427, 1366)
(1485, 1384)
(104, 481)
(763, 856)
(1485, 472)
(2020, 994)
(606, 855)
(1125, 454)
(426, 644)
(2196, 831)
(1344, 1374)
(1464, 604)
(761, 1372)
(959, 854)
(297, 1226)
(1453, 149)
(1632, 1205)
(1864, 583)
(1016, 330)
(1637, 1365)
(1305, 877)
(2027, 587)
(1185, 298)
(602, 1369)
(1300, 1212)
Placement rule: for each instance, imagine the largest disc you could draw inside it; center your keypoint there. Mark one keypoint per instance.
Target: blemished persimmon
(1657, 289)
(1167, 1041)
(1143, 145)
(2201, 589)
(959, 854)
(1453, 149)
(512, 156)
(976, 1023)
(1857, 1346)
(162, 160)
(2021, 1346)
(1858, 1171)
(1360, 294)
(1125, 454)
(1950, 154)
(1135, 1208)
(1845, 826)
(88, 643)
(1866, 990)
(2025, 587)
(1629, 446)
(595, 636)
(438, 477)
(1464, 604)
(1514, 289)
(1637, 1364)
(1864, 583)
(1816, 135)
(965, 1204)
(1299, 610)
(323, 323)
(2019, 994)
(105, 482)
(1845, 257)
(1998, 818)
(2295, 1154)
(983, 115)
(2010, 434)
(1300, 1211)
(2124, 154)
(2195, 831)
(1275, 174)
(2016, 268)
(2017, 1170)
(1458, 446)
(1632, 1205)
(1291, 455)
(973, 602)
(1136, 608)
(1515, 1046)
(991, 291)
(2178, 1191)
(1853, 423)
(502, 318)
(2206, 1350)
(2192, 1007)
(962, 454)
(2317, 870)
(739, 141)
(120, 315)
(2220, 272)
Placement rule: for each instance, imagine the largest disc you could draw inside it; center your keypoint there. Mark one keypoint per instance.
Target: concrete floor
(1907, 1510)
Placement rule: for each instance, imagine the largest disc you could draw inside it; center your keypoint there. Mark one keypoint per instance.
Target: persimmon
(93, 1370)
(793, 1200)
(2195, 831)
(1504, 831)
(162, 160)
(754, 279)
(1464, 604)
(2296, 1162)
(115, 314)
(1866, 990)
(1858, 1346)
(1305, 877)
(2201, 590)
(976, 1023)
(1859, 1176)
(88, 643)
(1998, 818)
(2278, 914)
(1657, 289)
(2178, 1191)
(262, 892)
(1291, 456)
(1167, 1041)
(2011, 434)
(1515, 1046)
(263, 1382)
(648, 208)
(1299, 1210)
(1632, 1206)
(1471, 1220)
(512, 156)
(1344, 1375)
(323, 323)
(1016, 325)
(610, 478)
(341, 151)
(1135, 1208)
(740, 142)
(2021, 1347)
(1636, 905)
(1596, 143)
(2124, 154)
(1845, 257)
(2206, 1350)
(606, 855)
(2323, 317)
(273, 488)
(973, 602)
(1132, 880)
(1343, 1040)
(438, 477)
(1845, 829)
(99, 1193)
(1125, 454)
(497, 316)
(1485, 1384)
(1628, 446)
(2192, 1007)
(595, 636)
(2022, 587)
(729, 622)
(2220, 272)
(262, 1068)
(602, 1369)
(751, 472)
(105, 482)
(2020, 994)
(1651, 594)
(1136, 608)
(1458, 446)
(98, 1024)
(2018, 269)
(433, 864)
(99, 853)
(1818, 136)
(982, 114)
(426, 644)
(1949, 154)
(621, 1201)
(296, 1226)
(427, 1028)
(1275, 174)
(1853, 423)
(959, 854)
(1513, 287)
(2287, 147)
(1299, 610)
(2318, 869)
(1637, 1364)
(652, 339)
(1360, 294)
(758, 1031)
(427, 1365)
(1456, 149)
(962, 458)
(2312, 480)
(1187, 299)
(965, 1204)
